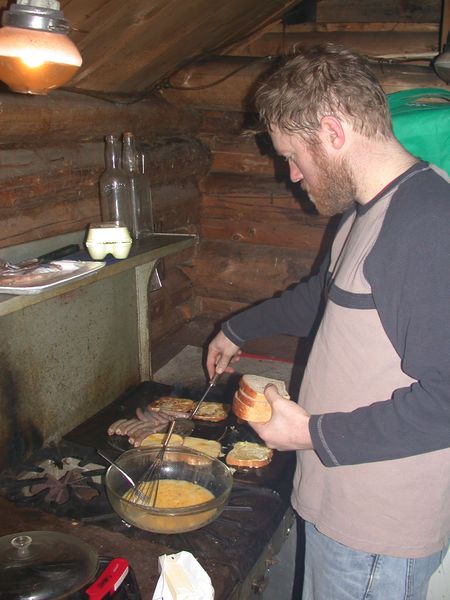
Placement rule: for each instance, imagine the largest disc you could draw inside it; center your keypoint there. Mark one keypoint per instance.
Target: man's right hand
(221, 351)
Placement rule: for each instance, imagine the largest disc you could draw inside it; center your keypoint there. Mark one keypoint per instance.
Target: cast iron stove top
(227, 548)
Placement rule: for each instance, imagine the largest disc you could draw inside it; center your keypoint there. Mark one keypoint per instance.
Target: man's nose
(294, 173)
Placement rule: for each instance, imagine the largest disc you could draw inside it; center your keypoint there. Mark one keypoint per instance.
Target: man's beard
(335, 190)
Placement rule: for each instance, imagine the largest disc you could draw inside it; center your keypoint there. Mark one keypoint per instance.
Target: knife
(48, 257)
(58, 253)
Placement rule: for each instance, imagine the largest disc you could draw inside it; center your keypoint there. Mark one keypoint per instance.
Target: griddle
(93, 432)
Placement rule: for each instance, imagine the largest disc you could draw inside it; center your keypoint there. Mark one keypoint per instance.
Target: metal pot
(44, 565)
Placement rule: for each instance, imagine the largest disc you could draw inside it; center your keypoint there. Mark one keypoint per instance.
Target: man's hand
(221, 351)
(288, 428)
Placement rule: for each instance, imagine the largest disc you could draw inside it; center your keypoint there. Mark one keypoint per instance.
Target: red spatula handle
(109, 580)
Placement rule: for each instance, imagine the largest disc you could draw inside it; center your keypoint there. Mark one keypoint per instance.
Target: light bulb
(35, 53)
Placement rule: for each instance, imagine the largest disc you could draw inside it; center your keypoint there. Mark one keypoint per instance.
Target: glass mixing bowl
(183, 468)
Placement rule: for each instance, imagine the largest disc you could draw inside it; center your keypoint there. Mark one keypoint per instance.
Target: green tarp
(421, 121)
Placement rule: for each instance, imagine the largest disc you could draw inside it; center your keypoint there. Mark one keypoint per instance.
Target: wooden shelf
(144, 251)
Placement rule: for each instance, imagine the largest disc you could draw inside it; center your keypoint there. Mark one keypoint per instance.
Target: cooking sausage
(140, 435)
(123, 430)
(113, 428)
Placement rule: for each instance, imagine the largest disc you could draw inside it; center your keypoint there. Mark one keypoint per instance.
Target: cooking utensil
(179, 464)
(111, 462)
(146, 490)
(212, 383)
(185, 426)
(110, 579)
(44, 565)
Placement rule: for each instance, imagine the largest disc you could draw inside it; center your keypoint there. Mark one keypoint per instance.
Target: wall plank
(247, 273)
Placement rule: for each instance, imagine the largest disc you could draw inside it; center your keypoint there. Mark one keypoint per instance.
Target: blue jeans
(335, 572)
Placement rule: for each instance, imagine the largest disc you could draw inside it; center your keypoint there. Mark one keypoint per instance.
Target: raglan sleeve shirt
(409, 273)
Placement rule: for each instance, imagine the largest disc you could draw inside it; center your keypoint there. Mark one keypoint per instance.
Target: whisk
(146, 489)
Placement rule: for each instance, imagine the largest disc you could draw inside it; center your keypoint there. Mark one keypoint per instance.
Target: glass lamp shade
(34, 61)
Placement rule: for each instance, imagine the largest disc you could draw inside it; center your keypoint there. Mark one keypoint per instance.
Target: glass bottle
(115, 203)
(146, 202)
(140, 193)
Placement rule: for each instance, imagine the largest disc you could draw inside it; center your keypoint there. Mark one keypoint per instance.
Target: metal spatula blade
(186, 426)
(212, 383)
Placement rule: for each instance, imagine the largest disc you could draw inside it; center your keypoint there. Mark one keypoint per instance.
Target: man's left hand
(288, 429)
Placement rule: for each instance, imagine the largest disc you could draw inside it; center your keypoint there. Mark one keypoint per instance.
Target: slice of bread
(171, 403)
(157, 439)
(209, 447)
(254, 385)
(256, 411)
(250, 401)
(249, 454)
(212, 411)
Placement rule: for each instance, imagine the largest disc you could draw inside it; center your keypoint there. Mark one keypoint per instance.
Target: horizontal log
(247, 273)
(361, 26)
(281, 27)
(239, 154)
(166, 160)
(226, 83)
(221, 83)
(39, 120)
(396, 43)
(176, 207)
(395, 78)
(254, 194)
(381, 10)
(236, 184)
(216, 122)
(169, 159)
(64, 208)
(217, 309)
(263, 224)
(54, 189)
(259, 191)
(271, 234)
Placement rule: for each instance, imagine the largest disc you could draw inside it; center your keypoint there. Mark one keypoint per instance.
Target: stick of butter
(182, 578)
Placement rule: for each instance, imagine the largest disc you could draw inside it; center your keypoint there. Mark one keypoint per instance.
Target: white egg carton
(108, 238)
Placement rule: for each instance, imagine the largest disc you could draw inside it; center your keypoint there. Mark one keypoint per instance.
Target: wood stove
(60, 487)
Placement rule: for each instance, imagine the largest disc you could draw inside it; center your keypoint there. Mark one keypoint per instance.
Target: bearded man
(372, 423)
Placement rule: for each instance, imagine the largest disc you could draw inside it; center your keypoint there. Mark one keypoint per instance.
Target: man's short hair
(323, 80)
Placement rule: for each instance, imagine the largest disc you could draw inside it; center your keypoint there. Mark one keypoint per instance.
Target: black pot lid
(44, 565)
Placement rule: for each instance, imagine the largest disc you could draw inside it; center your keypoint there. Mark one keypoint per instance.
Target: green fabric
(421, 121)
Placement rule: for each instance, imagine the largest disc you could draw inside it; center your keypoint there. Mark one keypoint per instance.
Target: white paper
(182, 578)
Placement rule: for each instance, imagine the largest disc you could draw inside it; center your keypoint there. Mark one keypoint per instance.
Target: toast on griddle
(208, 411)
(249, 455)
(212, 411)
(172, 404)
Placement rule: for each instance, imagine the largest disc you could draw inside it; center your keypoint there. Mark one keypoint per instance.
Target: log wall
(51, 158)
(259, 235)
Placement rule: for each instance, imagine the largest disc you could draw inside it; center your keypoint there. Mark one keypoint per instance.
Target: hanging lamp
(35, 53)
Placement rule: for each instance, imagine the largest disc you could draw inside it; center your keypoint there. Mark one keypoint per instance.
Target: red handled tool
(110, 580)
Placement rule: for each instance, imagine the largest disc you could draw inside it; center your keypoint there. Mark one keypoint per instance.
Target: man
(372, 425)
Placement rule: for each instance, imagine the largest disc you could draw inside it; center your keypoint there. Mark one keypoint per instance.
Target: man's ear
(332, 132)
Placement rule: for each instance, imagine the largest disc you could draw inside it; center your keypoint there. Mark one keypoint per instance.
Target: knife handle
(59, 253)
